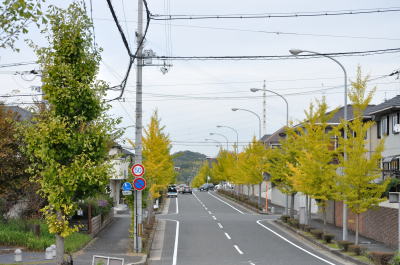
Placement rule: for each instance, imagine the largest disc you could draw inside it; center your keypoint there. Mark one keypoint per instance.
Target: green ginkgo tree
(68, 143)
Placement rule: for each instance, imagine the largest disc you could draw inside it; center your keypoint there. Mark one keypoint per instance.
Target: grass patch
(18, 233)
(360, 258)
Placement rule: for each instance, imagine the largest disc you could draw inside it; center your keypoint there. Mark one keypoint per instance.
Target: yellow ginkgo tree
(358, 186)
(157, 158)
(314, 173)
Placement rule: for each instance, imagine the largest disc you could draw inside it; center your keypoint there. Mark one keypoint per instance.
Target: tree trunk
(309, 210)
(149, 208)
(59, 249)
(357, 228)
(324, 215)
(292, 205)
(307, 221)
(287, 205)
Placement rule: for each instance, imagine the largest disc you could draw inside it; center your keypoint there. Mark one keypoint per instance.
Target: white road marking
(293, 244)
(215, 218)
(209, 212)
(220, 226)
(227, 203)
(251, 263)
(175, 256)
(177, 206)
(227, 235)
(238, 249)
(205, 208)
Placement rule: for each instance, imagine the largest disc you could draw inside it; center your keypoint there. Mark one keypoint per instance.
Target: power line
(17, 64)
(275, 15)
(132, 56)
(278, 33)
(275, 57)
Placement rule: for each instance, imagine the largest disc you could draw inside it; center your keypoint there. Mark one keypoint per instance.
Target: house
(122, 161)
(387, 125)
(21, 114)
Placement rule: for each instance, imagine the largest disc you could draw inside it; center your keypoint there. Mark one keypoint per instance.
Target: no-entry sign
(137, 170)
(139, 183)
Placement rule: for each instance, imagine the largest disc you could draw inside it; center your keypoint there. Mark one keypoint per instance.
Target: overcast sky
(195, 96)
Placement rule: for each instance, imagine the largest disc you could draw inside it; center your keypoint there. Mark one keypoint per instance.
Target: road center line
(215, 218)
(220, 226)
(226, 203)
(227, 236)
(238, 249)
(209, 212)
(293, 244)
(177, 206)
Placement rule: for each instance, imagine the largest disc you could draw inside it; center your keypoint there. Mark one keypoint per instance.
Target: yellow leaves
(157, 158)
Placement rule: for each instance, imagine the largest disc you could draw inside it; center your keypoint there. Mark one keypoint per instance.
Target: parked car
(206, 187)
(187, 189)
(172, 192)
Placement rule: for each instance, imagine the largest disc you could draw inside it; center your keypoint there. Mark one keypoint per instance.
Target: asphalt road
(205, 229)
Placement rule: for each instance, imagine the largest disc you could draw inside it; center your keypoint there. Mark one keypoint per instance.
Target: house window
(378, 127)
(385, 125)
(395, 120)
(394, 164)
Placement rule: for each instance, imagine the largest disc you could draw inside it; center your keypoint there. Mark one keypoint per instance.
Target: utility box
(302, 216)
(394, 197)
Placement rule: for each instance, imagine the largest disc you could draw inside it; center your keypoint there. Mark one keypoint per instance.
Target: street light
(226, 138)
(287, 124)
(258, 116)
(218, 142)
(297, 52)
(287, 104)
(237, 135)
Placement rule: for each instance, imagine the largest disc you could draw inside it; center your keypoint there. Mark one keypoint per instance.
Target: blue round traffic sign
(127, 186)
(139, 183)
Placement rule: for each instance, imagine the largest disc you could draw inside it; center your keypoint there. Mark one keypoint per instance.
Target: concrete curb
(315, 242)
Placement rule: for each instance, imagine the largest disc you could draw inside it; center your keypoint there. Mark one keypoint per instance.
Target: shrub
(308, 228)
(295, 223)
(316, 233)
(285, 218)
(328, 238)
(358, 250)
(381, 258)
(395, 260)
(344, 245)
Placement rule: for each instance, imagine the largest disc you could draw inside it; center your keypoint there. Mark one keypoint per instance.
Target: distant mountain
(187, 163)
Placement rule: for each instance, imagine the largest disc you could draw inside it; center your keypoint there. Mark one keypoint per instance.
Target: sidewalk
(113, 241)
(371, 244)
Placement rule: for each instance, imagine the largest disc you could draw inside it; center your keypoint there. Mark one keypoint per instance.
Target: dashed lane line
(220, 226)
(228, 236)
(238, 249)
(213, 217)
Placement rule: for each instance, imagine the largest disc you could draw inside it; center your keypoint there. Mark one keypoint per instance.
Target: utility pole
(138, 132)
(264, 110)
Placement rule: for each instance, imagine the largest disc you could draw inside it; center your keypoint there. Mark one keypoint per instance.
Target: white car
(172, 192)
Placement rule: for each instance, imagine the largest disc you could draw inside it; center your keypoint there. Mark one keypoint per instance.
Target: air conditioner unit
(396, 128)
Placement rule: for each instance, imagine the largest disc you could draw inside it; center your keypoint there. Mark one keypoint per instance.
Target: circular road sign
(127, 186)
(139, 183)
(137, 170)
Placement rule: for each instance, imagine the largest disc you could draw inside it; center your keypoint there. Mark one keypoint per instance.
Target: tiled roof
(393, 103)
(339, 115)
(23, 114)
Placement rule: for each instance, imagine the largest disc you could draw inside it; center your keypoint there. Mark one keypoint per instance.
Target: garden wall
(380, 224)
